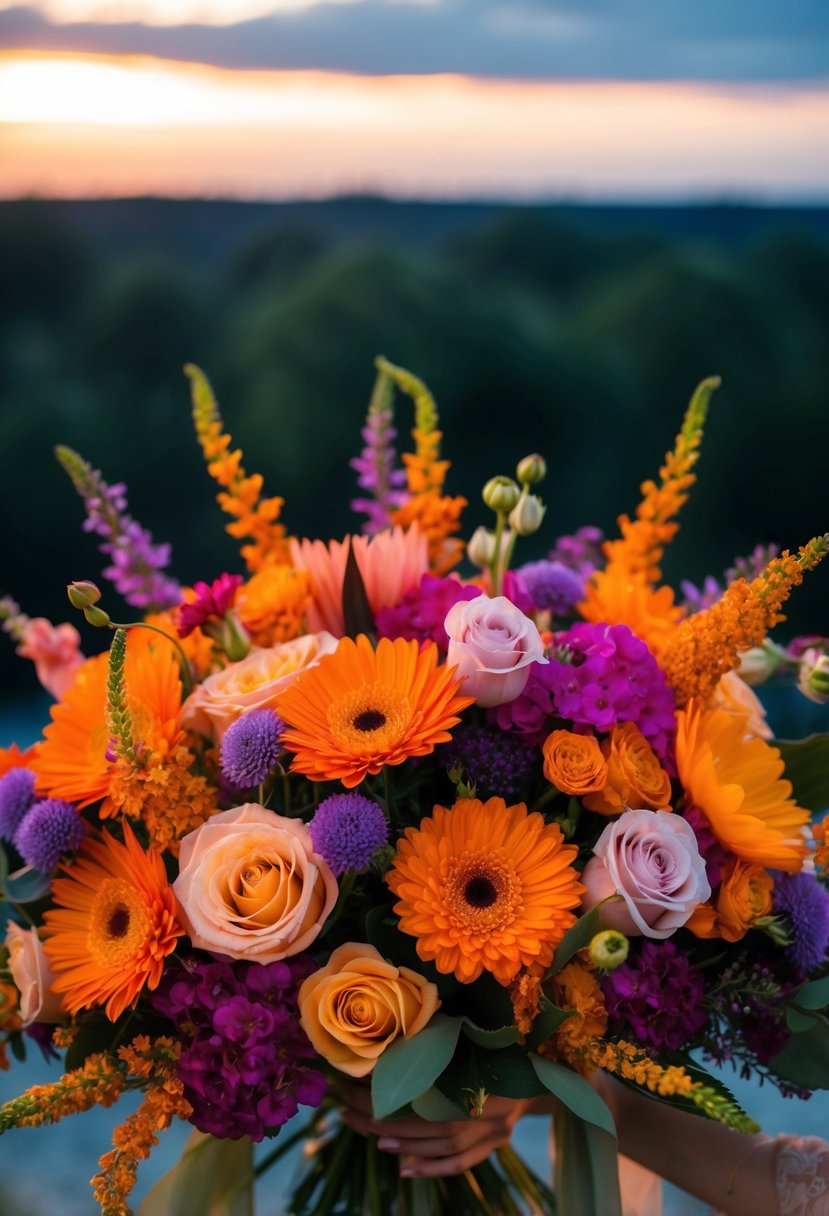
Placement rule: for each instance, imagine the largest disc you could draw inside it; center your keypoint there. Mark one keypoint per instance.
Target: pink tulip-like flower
(493, 645)
(651, 859)
(55, 651)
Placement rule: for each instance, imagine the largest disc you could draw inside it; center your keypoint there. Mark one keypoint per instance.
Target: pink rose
(253, 683)
(55, 651)
(32, 976)
(251, 886)
(652, 860)
(493, 646)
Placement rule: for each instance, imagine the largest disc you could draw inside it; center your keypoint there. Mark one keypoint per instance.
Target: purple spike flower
(375, 466)
(136, 561)
(347, 831)
(250, 748)
(17, 793)
(49, 830)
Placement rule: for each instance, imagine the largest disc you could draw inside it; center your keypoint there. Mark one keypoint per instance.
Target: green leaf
(587, 1168)
(436, 1107)
(26, 886)
(807, 767)
(798, 1021)
(504, 1036)
(4, 869)
(576, 938)
(507, 1073)
(212, 1177)
(410, 1066)
(575, 1093)
(805, 1058)
(357, 614)
(814, 995)
(547, 1022)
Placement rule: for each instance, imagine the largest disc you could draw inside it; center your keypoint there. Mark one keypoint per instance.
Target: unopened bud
(481, 547)
(527, 514)
(813, 677)
(83, 594)
(531, 470)
(608, 949)
(97, 617)
(501, 494)
(761, 663)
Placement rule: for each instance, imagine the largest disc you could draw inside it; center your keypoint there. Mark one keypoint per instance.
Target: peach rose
(574, 763)
(744, 896)
(251, 886)
(253, 683)
(493, 645)
(32, 975)
(358, 1004)
(635, 778)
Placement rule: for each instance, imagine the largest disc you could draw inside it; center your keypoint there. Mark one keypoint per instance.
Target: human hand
(434, 1150)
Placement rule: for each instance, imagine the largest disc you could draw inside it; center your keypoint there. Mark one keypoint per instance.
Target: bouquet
(352, 816)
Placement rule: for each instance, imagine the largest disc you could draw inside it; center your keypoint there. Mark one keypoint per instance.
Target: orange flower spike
(254, 517)
(709, 643)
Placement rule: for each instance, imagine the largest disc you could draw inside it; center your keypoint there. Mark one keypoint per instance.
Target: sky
(514, 99)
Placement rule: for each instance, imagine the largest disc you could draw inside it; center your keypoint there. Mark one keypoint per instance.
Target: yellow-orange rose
(358, 1004)
(574, 763)
(251, 886)
(744, 896)
(253, 683)
(635, 778)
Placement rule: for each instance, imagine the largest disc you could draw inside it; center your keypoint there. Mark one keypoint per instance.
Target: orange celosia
(738, 784)
(113, 924)
(99, 1081)
(617, 597)
(164, 794)
(708, 644)
(525, 994)
(254, 517)
(71, 762)
(272, 604)
(485, 887)
(576, 989)
(359, 709)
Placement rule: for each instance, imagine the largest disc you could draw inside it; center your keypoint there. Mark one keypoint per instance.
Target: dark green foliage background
(576, 331)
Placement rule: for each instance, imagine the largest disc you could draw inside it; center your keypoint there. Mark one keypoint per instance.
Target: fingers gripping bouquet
(356, 829)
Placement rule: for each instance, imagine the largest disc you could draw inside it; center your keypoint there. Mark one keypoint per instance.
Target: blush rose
(652, 860)
(32, 976)
(493, 645)
(251, 886)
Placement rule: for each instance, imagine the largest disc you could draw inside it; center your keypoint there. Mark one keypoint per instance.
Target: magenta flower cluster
(420, 615)
(212, 601)
(246, 1063)
(660, 994)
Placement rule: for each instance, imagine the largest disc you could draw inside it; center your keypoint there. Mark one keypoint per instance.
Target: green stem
(390, 808)
(495, 566)
(186, 677)
(547, 797)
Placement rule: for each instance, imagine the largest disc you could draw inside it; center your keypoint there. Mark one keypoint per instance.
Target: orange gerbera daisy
(485, 886)
(737, 782)
(71, 761)
(359, 709)
(114, 925)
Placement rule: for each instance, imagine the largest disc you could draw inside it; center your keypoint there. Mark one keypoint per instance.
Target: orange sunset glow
(78, 125)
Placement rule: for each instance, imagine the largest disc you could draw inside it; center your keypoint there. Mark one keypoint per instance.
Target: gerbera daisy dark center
(119, 921)
(480, 892)
(368, 720)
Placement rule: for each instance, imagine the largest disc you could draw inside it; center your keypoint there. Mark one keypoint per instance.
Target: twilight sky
(449, 98)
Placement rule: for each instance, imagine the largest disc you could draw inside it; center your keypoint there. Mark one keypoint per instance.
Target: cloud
(706, 40)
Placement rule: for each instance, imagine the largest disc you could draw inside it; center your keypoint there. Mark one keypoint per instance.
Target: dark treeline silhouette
(576, 331)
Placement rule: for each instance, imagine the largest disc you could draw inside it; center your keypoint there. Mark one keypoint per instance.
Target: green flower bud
(813, 677)
(481, 547)
(501, 494)
(83, 594)
(531, 470)
(97, 617)
(608, 949)
(527, 514)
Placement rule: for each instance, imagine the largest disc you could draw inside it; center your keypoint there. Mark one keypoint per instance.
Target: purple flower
(552, 586)
(806, 903)
(530, 714)
(347, 830)
(251, 747)
(659, 994)
(498, 764)
(698, 598)
(714, 854)
(375, 466)
(420, 615)
(246, 1064)
(49, 830)
(611, 677)
(212, 600)
(581, 552)
(17, 793)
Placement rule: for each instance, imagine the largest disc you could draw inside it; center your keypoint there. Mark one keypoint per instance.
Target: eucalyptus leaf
(576, 938)
(575, 1093)
(798, 1021)
(547, 1022)
(805, 1058)
(814, 995)
(26, 886)
(504, 1036)
(586, 1168)
(212, 1177)
(437, 1108)
(409, 1067)
(807, 767)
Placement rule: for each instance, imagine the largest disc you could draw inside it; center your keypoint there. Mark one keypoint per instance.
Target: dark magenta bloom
(421, 613)
(17, 794)
(659, 994)
(251, 747)
(497, 763)
(49, 830)
(347, 830)
(212, 600)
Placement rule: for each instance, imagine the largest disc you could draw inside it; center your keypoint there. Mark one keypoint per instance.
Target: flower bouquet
(353, 818)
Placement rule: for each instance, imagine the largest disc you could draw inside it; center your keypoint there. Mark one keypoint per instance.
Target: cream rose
(32, 976)
(251, 886)
(493, 645)
(252, 683)
(358, 1004)
(651, 859)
